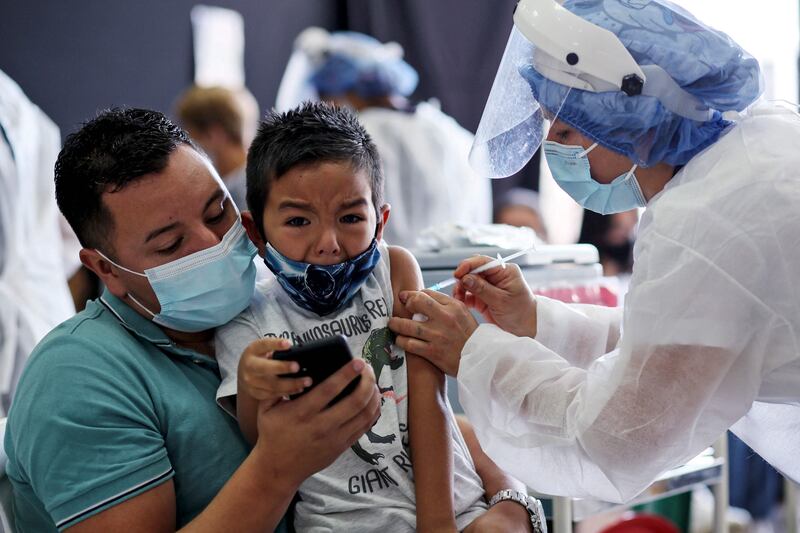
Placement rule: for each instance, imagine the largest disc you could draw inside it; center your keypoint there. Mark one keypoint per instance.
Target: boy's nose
(328, 245)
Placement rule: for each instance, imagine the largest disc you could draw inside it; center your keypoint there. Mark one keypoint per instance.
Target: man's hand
(503, 517)
(500, 294)
(259, 374)
(302, 436)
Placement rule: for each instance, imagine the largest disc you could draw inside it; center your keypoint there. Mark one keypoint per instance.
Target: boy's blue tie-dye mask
(322, 289)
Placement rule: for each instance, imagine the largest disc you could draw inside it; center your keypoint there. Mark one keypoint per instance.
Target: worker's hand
(500, 294)
(503, 517)
(259, 374)
(302, 436)
(441, 338)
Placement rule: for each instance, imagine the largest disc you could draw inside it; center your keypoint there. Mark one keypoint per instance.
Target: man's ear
(253, 231)
(95, 262)
(383, 218)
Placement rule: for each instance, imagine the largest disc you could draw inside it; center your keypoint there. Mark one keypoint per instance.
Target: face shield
(550, 54)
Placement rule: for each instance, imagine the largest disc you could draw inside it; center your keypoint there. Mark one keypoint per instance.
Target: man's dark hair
(107, 154)
(310, 134)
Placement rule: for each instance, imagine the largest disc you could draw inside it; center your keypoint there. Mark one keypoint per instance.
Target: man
(114, 426)
(223, 122)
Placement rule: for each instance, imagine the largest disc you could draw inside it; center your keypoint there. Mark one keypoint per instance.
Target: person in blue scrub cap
(637, 104)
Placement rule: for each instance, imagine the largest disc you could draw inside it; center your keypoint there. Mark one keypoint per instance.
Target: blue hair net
(703, 61)
(369, 77)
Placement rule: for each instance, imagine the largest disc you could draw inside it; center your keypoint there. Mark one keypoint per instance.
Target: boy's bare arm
(429, 430)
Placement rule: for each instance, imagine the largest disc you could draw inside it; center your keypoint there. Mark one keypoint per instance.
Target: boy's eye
(351, 219)
(297, 221)
(172, 248)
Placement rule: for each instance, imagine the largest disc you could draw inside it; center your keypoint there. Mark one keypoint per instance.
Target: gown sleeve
(575, 413)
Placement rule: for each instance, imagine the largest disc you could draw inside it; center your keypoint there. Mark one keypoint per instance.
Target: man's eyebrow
(217, 196)
(155, 233)
(295, 204)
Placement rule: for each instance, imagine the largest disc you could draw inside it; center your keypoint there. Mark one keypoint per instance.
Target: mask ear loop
(104, 256)
(131, 296)
(586, 152)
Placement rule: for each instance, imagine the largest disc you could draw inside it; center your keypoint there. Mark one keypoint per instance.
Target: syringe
(500, 261)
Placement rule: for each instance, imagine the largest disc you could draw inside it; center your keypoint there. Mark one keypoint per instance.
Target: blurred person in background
(520, 207)
(34, 296)
(613, 236)
(223, 122)
(423, 151)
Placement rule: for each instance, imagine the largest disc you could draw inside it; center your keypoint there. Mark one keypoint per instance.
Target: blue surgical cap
(703, 61)
(369, 77)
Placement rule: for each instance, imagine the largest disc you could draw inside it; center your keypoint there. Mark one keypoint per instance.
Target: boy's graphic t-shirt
(370, 487)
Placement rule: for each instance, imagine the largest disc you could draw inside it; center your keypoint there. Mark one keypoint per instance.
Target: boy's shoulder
(404, 270)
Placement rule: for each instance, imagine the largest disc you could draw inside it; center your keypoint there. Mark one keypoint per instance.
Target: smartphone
(319, 360)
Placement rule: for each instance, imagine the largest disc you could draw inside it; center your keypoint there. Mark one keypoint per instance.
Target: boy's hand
(259, 374)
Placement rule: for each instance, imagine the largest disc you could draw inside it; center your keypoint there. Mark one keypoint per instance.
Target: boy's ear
(253, 232)
(383, 218)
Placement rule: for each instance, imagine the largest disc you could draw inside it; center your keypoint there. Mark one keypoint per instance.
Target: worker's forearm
(431, 446)
(254, 499)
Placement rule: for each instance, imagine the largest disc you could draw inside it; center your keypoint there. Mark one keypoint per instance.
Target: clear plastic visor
(514, 122)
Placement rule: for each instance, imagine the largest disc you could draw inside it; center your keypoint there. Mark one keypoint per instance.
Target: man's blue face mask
(322, 289)
(205, 289)
(570, 168)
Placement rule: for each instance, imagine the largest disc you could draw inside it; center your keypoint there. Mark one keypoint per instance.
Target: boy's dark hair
(107, 154)
(312, 133)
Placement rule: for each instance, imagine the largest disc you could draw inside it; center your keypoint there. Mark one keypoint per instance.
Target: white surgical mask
(205, 289)
(570, 168)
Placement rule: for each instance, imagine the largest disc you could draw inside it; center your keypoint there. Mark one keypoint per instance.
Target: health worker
(646, 107)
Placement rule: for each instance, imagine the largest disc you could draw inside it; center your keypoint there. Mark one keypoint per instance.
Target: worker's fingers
(471, 263)
(484, 290)
(414, 346)
(409, 328)
(423, 303)
(438, 296)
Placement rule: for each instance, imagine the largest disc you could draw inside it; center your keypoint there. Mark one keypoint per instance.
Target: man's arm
(429, 430)
(258, 494)
(506, 516)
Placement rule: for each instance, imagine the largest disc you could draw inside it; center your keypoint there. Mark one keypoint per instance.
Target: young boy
(314, 186)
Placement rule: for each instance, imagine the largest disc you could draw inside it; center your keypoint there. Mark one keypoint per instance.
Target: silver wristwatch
(531, 504)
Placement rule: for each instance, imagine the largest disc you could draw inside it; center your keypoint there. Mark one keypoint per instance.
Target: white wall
(769, 30)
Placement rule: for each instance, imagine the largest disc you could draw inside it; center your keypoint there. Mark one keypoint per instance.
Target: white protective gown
(34, 296)
(428, 180)
(602, 401)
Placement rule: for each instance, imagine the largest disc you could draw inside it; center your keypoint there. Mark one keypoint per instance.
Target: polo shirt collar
(147, 329)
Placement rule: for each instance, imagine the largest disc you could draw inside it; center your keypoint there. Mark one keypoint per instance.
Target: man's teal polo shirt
(107, 408)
